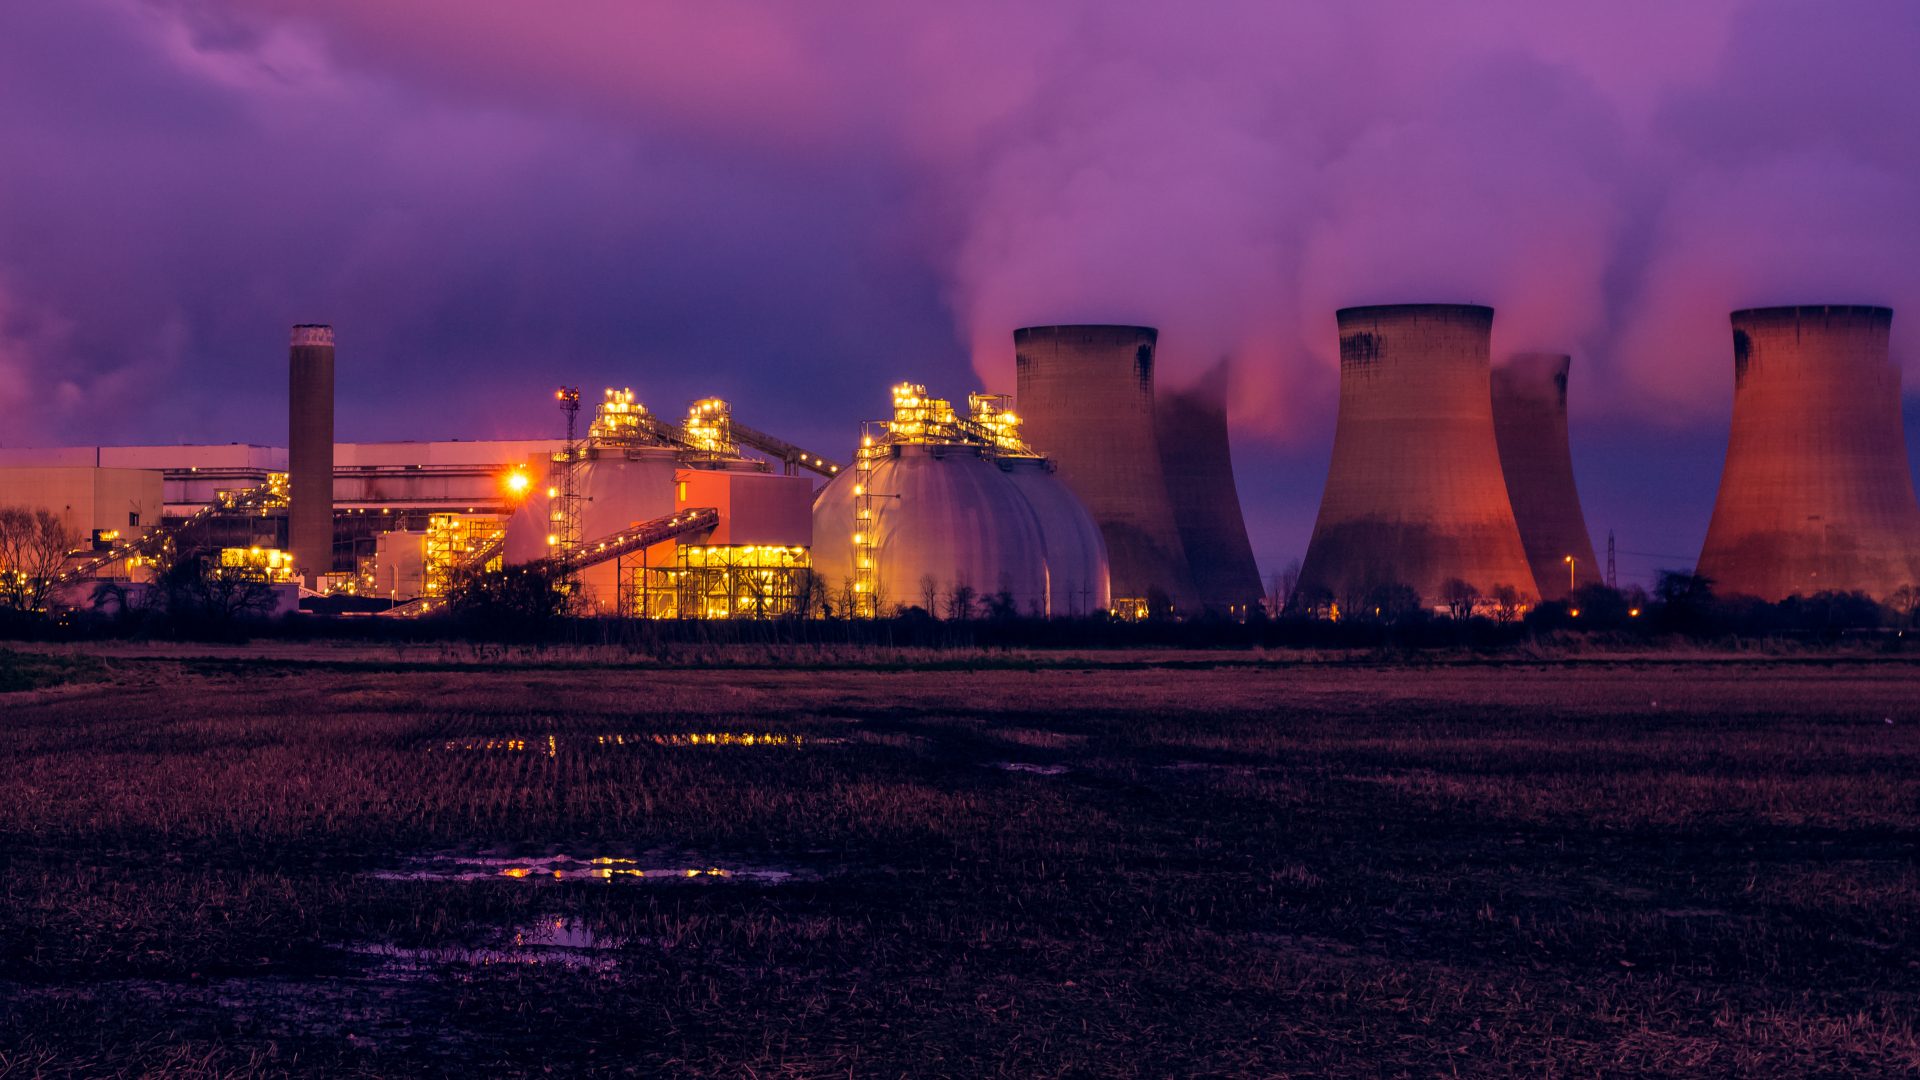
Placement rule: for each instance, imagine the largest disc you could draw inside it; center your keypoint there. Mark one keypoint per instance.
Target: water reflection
(556, 942)
(568, 868)
(550, 744)
(1031, 767)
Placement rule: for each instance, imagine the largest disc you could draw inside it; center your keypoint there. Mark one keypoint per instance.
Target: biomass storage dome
(950, 517)
(941, 501)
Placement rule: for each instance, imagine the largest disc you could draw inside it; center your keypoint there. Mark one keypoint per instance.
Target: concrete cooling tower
(1817, 493)
(1086, 396)
(1530, 423)
(953, 516)
(310, 451)
(1191, 426)
(1415, 495)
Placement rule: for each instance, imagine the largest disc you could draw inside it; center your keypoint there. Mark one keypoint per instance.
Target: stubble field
(360, 863)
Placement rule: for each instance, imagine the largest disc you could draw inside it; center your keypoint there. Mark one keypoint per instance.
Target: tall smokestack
(1530, 423)
(1415, 495)
(1191, 426)
(1086, 393)
(1817, 494)
(310, 450)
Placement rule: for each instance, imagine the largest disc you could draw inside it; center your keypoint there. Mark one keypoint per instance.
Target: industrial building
(1448, 477)
(1817, 492)
(1191, 428)
(945, 511)
(1415, 496)
(661, 520)
(1530, 424)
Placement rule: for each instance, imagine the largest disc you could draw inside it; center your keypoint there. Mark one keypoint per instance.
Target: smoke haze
(795, 204)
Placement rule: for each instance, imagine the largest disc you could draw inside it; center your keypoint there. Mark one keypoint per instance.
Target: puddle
(567, 868)
(1030, 767)
(553, 942)
(550, 745)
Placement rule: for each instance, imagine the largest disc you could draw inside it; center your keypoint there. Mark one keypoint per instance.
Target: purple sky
(793, 205)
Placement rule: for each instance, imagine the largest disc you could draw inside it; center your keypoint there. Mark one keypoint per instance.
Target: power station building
(1530, 424)
(1817, 491)
(1415, 495)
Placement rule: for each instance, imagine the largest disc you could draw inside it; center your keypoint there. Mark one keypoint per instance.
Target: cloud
(799, 202)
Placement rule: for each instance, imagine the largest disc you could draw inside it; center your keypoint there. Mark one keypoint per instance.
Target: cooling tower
(1191, 426)
(310, 451)
(1086, 396)
(1817, 493)
(1530, 423)
(1414, 495)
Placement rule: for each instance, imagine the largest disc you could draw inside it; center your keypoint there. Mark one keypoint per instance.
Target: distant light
(1633, 613)
(518, 482)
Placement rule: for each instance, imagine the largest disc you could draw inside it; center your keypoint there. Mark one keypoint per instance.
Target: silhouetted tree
(33, 545)
(1460, 597)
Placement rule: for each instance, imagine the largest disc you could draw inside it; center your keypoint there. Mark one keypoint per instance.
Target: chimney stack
(310, 451)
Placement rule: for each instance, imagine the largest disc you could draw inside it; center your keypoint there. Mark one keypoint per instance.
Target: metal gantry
(563, 497)
(873, 446)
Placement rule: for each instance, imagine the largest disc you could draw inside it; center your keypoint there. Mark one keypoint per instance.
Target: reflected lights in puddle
(551, 743)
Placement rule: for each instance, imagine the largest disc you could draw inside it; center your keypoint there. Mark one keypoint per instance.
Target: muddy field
(239, 862)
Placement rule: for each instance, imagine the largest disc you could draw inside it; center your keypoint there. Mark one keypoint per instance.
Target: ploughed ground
(238, 863)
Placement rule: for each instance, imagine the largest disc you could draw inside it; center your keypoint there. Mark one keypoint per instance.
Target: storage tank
(1195, 454)
(310, 451)
(1817, 492)
(1086, 396)
(1078, 578)
(946, 514)
(1530, 424)
(1414, 494)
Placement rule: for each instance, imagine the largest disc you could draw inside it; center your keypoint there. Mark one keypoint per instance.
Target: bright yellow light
(518, 482)
(1633, 613)
(1575, 612)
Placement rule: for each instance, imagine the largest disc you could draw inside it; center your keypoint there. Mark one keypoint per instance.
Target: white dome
(1077, 572)
(961, 519)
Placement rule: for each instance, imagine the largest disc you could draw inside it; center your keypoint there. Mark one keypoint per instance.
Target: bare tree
(1506, 603)
(930, 595)
(1281, 586)
(1905, 603)
(33, 545)
(960, 602)
(1460, 597)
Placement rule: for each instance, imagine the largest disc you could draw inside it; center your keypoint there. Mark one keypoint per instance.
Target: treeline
(525, 607)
